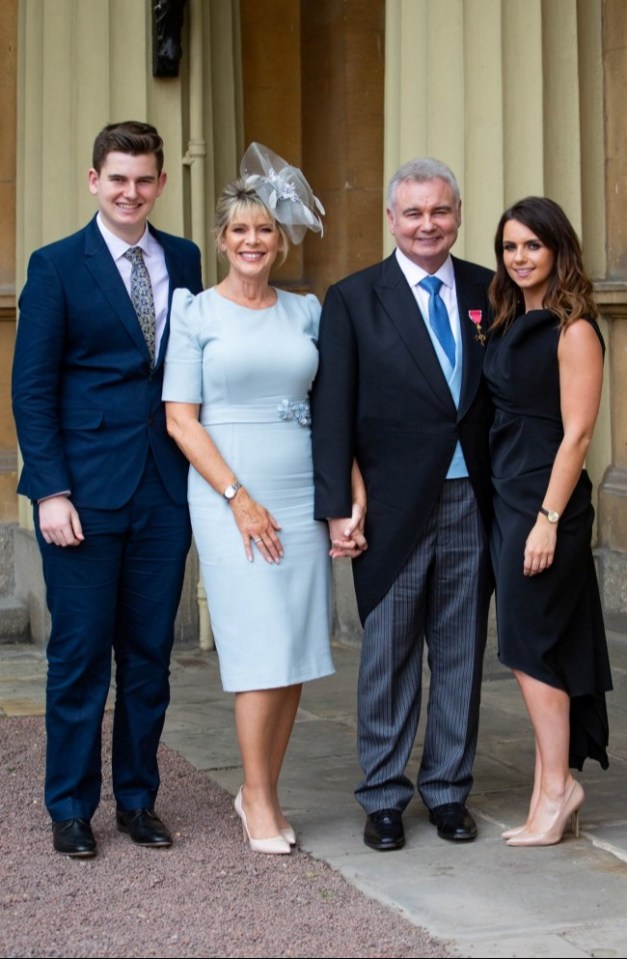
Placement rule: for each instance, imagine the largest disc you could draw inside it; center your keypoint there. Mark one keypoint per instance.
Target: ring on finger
(257, 541)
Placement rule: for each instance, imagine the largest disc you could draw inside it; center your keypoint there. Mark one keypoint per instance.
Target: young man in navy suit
(109, 487)
(400, 389)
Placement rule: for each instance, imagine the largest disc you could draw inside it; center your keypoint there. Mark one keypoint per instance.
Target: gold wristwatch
(552, 515)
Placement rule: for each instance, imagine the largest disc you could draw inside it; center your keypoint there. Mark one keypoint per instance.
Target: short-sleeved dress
(550, 626)
(251, 372)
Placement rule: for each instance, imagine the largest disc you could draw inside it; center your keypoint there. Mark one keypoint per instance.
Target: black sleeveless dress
(550, 626)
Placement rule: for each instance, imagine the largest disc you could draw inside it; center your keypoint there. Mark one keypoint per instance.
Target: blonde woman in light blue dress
(241, 360)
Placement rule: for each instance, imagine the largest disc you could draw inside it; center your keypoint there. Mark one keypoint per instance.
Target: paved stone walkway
(483, 898)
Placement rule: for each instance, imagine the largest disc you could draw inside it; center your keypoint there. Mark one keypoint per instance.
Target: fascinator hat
(283, 190)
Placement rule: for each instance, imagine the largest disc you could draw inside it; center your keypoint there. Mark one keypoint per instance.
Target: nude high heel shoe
(568, 812)
(289, 834)
(275, 845)
(514, 831)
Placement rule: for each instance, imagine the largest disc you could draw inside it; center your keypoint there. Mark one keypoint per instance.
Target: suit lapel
(174, 273)
(470, 296)
(106, 275)
(400, 305)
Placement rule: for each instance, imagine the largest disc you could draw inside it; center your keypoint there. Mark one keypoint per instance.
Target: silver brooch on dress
(301, 411)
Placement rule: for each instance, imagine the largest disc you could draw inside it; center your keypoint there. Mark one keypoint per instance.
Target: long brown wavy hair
(569, 294)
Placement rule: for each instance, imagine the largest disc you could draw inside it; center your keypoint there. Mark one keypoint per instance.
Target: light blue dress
(251, 372)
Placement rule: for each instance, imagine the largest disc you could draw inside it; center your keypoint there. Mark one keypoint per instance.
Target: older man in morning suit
(400, 390)
(108, 485)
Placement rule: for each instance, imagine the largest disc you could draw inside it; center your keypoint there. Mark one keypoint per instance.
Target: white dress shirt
(154, 258)
(453, 374)
(414, 274)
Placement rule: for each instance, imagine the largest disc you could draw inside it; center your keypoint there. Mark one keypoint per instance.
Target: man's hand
(347, 534)
(59, 522)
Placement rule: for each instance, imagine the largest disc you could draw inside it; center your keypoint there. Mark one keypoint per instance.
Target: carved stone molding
(611, 296)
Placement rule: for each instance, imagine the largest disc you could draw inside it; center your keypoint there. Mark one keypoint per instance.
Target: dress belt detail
(297, 411)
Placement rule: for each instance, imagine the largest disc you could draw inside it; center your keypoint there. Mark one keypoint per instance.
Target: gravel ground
(208, 895)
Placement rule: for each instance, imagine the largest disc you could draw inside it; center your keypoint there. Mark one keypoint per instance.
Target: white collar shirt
(414, 274)
(453, 375)
(154, 258)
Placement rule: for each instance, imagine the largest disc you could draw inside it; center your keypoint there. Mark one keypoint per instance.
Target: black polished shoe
(144, 827)
(453, 822)
(74, 837)
(384, 830)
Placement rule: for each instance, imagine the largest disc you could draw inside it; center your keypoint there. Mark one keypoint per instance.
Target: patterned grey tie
(142, 298)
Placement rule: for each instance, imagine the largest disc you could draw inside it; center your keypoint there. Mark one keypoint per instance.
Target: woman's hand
(257, 526)
(255, 523)
(347, 534)
(540, 547)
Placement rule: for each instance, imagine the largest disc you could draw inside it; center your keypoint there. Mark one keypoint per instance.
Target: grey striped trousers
(442, 595)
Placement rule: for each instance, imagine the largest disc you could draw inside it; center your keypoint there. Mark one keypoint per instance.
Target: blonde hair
(238, 198)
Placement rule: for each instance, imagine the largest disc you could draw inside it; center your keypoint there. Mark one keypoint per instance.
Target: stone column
(8, 106)
(612, 296)
(612, 519)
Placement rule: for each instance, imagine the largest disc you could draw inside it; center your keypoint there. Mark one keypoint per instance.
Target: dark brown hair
(130, 136)
(569, 294)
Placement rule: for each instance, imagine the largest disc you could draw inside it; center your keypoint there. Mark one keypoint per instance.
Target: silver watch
(552, 515)
(231, 490)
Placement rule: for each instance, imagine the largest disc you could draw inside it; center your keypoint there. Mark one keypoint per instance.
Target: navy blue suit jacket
(380, 395)
(87, 405)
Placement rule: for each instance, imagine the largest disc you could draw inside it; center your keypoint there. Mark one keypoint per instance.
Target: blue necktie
(438, 316)
(141, 297)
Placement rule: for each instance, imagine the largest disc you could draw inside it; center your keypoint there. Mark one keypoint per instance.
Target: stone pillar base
(612, 572)
(29, 584)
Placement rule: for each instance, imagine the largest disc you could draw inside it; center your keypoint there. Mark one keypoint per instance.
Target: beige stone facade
(8, 117)
(518, 98)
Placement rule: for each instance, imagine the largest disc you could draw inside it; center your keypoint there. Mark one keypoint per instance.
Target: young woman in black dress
(544, 367)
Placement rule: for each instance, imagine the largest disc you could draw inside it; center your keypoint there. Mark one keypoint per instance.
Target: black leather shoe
(384, 830)
(74, 837)
(453, 822)
(144, 827)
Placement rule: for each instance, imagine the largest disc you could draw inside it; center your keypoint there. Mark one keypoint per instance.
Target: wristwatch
(551, 515)
(231, 490)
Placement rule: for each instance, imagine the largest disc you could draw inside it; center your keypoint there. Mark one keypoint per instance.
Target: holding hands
(347, 533)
